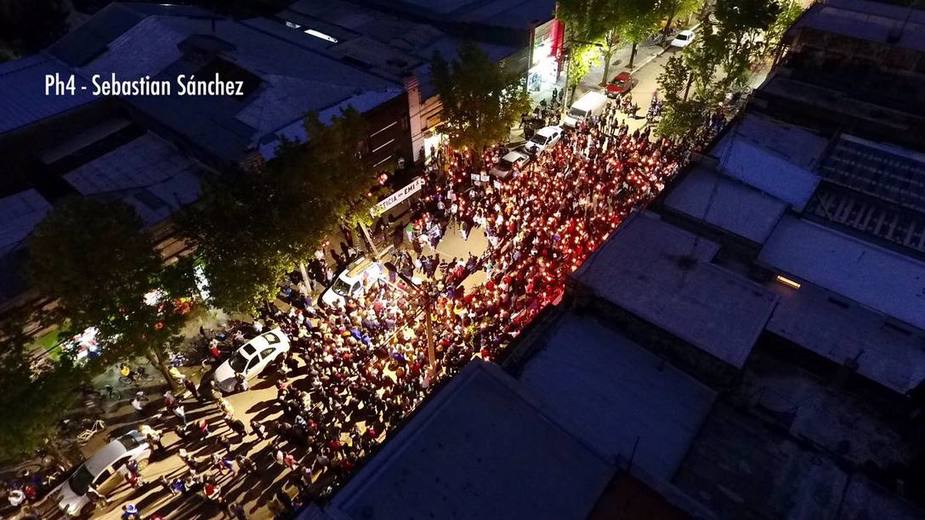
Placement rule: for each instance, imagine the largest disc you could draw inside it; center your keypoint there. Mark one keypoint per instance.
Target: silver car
(102, 471)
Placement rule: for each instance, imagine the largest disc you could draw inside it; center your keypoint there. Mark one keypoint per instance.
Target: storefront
(544, 59)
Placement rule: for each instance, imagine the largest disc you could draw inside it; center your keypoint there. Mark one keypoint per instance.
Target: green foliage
(250, 229)
(481, 99)
(95, 259)
(672, 10)
(716, 63)
(790, 11)
(27, 26)
(32, 400)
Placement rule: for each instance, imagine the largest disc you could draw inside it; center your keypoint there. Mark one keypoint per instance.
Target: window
(129, 442)
(80, 481)
(577, 113)
(271, 338)
(341, 287)
(102, 477)
(266, 352)
(238, 363)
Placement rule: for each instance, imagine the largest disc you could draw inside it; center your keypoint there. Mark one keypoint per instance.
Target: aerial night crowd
(356, 370)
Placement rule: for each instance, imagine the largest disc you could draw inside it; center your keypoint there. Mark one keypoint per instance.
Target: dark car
(621, 84)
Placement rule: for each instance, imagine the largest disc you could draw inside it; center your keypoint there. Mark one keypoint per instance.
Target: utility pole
(425, 292)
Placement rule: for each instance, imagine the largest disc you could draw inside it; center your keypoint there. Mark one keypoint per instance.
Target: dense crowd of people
(356, 369)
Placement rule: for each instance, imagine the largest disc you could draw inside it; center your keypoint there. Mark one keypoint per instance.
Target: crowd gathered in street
(357, 369)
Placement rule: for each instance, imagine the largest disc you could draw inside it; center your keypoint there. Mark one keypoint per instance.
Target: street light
(425, 292)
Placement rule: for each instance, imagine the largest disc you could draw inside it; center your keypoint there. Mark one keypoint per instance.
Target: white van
(592, 103)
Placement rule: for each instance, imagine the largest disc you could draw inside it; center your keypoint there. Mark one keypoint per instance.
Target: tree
(643, 21)
(581, 59)
(251, 229)
(603, 22)
(790, 12)
(481, 99)
(96, 260)
(27, 26)
(33, 399)
(716, 63)
(673, 10)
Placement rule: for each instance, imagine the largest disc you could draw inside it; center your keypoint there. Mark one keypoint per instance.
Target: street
(504, 253)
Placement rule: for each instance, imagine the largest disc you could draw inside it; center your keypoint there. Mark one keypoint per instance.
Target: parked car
(102, 472)
(352, 281)
(683, 39)
(512, 160)
(621, 84)
(591, 103)
(251, 359)
(543, 139)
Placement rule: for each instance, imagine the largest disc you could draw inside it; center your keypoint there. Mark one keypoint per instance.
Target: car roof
(104, 457)
(514, 155)
(687, 32)
(259, 342)
(549, 130)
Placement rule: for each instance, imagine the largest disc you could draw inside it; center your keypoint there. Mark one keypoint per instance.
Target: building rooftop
(878, 278)
(881, 22)
(147, 173)
(479, 449)
(19, 214)
(883, 171)
(24, 102)
(840, 331)
(285, 78)
(774, 157)
(512, 14)
(618, 397)
(740, 468)
(726, 203)
(662, 274)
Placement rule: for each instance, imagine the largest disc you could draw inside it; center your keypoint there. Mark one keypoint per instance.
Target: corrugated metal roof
(19, 214)
(146, 173)
(872, 276)
(23, 100)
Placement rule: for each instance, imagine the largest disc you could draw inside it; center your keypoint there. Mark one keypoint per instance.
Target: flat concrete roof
(771, 156)
(662, 274)
(878, 278)
(726, 203)
(477, 450)
(839, 332)
(611, 392)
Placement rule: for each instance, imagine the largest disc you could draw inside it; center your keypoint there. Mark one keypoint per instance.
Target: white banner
(398, 197)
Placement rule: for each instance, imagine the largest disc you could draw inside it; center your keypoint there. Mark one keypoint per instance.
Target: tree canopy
(32, 399)
(717, 62)
(481, 99)
(101, 266)
(251, 228)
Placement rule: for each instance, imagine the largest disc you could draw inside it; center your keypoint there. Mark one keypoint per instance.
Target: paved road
(255, 492)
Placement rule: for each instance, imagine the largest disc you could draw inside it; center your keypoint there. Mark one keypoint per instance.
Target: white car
(102, 472)
(543, 139)
(511, 160)
(251, 359)
(352, 281)
(683, 39)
